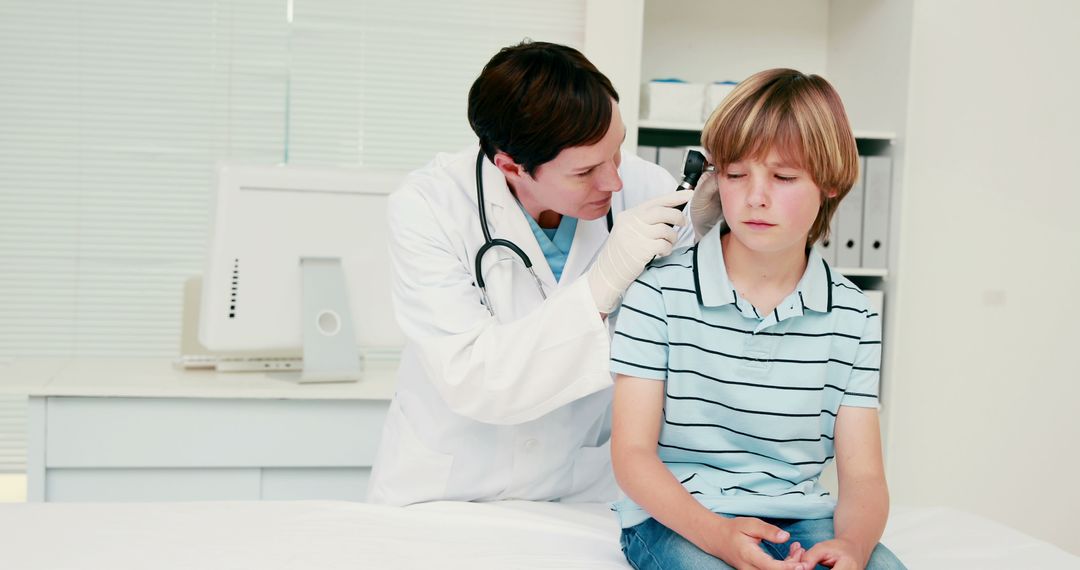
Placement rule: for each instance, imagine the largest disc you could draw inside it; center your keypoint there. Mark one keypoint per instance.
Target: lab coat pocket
(594, 481)
(411, 472)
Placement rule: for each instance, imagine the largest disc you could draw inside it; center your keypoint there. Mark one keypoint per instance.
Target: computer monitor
(268, 219)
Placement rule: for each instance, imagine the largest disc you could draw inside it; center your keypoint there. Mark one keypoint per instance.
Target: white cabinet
(138, 430)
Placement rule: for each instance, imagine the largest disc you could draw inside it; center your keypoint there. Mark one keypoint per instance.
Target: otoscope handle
(694, 165)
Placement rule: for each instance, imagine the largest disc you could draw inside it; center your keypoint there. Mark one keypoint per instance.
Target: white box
(714, 95)
(674, 101)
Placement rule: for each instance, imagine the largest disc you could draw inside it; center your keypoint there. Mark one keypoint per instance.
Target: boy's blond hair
(802, 118)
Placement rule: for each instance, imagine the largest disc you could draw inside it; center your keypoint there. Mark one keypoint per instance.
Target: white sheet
(331, 535)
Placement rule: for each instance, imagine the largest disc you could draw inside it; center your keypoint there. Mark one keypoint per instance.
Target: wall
(986, 381)
(707, 40)
(613, 37)
(868, 63)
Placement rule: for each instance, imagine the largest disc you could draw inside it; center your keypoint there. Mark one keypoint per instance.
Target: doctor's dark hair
(534, 99)
(802, 118)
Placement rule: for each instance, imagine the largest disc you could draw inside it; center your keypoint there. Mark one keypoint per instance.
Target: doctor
(503, 390)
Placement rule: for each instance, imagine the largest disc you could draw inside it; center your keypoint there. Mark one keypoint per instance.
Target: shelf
(696, 127)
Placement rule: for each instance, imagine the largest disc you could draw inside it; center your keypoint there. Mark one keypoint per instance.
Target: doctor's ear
(510, 169)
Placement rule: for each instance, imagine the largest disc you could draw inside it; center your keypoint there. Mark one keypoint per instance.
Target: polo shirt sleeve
(639, 347)
(862, 388)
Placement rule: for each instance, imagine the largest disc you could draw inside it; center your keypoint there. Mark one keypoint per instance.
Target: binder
(849, 223)
(827, 246)
(649, 153)
(877, 196)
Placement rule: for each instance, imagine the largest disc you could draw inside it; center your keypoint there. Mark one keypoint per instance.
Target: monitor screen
(269, 217)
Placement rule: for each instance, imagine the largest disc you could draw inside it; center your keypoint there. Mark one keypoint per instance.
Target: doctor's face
(580, 180)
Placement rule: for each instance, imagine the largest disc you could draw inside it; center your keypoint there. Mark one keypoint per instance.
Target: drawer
(192, 433)
(138, 485)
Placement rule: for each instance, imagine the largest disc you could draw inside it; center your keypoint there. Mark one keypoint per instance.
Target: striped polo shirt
(750, 399)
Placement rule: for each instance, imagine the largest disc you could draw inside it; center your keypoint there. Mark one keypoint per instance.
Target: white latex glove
(639, 234)
(705, 207)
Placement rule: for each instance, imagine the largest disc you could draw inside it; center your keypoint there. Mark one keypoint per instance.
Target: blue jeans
(652, 546)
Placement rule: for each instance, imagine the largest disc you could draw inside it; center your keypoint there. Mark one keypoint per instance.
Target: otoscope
(694, 165)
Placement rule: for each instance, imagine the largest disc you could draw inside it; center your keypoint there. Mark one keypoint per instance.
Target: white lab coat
(514, 406)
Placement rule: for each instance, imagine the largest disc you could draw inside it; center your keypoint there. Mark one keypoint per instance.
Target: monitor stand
(330, 352)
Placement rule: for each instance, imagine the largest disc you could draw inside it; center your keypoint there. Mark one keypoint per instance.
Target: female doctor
(503, 390)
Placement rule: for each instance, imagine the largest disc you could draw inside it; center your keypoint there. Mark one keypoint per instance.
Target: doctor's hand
(639, 234)
(705, 207)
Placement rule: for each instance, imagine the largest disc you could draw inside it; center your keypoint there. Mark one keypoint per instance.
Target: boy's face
(770, 204)
(580, 180)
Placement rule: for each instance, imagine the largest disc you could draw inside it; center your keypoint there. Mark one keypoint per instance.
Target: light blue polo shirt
(750, 400)
(555, 242)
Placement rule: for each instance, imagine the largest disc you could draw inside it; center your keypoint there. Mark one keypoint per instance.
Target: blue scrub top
(555, 242)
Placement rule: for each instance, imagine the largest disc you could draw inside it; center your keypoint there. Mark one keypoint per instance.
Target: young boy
(745, 364)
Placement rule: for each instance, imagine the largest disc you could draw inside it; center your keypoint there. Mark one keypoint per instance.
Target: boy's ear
(832, 193)
(510, 169)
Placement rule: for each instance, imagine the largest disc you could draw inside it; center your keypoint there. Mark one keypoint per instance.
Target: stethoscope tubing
(490, 242)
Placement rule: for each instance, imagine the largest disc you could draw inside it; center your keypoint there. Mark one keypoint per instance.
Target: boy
(768, 360)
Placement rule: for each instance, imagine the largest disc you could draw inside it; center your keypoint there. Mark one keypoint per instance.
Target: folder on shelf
(827, 246)
(877, 196)
(849, 223)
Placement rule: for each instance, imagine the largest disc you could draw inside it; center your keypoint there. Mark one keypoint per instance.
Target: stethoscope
(498, 242)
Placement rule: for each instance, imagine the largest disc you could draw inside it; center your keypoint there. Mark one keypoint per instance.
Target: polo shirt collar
(714, 287)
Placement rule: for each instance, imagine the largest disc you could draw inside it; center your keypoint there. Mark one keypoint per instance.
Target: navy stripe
(727, 451)
(847, 287)
(732, 382)
(647, 285)
(866, 369)
(863, 395)
(762, 333)
(759, 412)
(870, 342)
(842, 307)
(750, 435)
(680, 290)
(631, 337)
(639, 311)
(748, 473)
(639, 365)
(739, 357)
(688, 478)
(672, 265)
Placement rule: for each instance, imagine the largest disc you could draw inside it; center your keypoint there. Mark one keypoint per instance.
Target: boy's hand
(838, 554)
(737, 542)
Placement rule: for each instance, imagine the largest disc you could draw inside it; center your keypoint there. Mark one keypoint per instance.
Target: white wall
(708, 40)
(986, 391)
(613, 37)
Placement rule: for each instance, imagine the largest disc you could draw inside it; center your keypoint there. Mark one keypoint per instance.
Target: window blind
(113, 114)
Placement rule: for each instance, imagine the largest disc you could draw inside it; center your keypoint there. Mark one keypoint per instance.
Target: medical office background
(113, 113)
